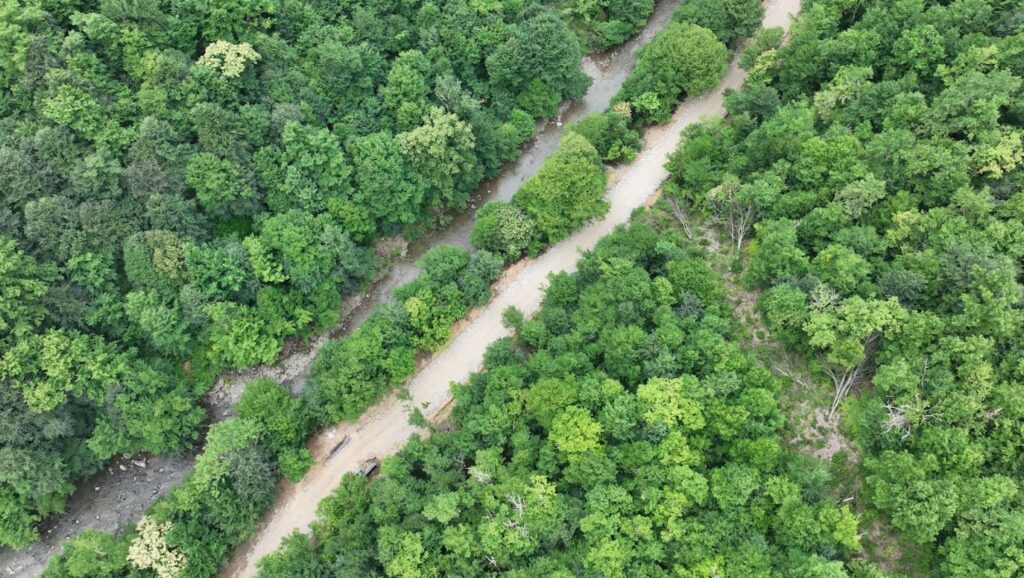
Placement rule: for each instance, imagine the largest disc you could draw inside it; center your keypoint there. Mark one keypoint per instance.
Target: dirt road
(119, 494)
(384, 429)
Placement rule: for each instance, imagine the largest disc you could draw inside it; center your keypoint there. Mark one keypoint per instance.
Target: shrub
(567, 191)
(503, 230)
(610, 134)
(92, 554)
(682, 59)
(284, 424)
(728, 19)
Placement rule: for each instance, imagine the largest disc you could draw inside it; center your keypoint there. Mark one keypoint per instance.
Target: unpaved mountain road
(384, 429)
(127, 487)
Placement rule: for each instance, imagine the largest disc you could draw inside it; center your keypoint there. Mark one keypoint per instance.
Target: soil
(385, 428)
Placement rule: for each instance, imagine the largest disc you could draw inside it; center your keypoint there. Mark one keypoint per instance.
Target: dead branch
(517, 503)
(897, 421)
(783, 365)
(845, 378)
(682, 216)
(993, 413)
(480, 475)
(728, 208)
(905, 417)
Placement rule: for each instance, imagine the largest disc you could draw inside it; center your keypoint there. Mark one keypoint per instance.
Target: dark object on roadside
(368, 468)
(337, 448)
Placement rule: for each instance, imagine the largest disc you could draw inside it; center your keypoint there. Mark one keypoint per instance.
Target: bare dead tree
(480, 475)
(682, 216)
(518, 503)
(844, 378)
(728, 208)
(905, 417)
(897, 420)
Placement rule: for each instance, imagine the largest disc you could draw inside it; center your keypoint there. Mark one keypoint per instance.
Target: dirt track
(120, 494)
(383, 429)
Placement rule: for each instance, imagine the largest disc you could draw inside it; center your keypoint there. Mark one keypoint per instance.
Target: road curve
(384, 428)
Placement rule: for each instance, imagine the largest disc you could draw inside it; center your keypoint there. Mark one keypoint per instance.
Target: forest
(189, 186)
(191, 531)
(219, 505)
(622, 431)
(866, 186)
(874, 163)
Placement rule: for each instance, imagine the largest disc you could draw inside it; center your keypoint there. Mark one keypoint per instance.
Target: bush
(284, 424)
(452, 281)
(567, 191)
(92, 554)
(610, 134)
(220, 504)
(295, 557)
(503, 230)
(353, 372)
(681, 59)
(513, 133)
(764, 40)
(728, 19)
(610, 22)
(774, 255)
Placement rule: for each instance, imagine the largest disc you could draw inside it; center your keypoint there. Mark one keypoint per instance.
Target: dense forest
(876, 161)
(621, 432)
(867, 181)
(189, 184)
